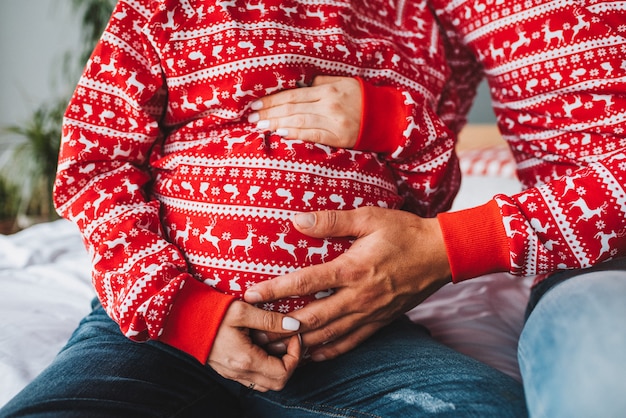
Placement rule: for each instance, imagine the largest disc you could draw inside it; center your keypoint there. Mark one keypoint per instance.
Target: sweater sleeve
(109, 128)
(559, 90)
(404, 126)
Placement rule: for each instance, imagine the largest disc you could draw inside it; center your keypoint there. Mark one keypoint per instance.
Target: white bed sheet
(45, 290)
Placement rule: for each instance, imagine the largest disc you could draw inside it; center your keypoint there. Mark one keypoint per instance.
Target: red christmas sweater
(557, 74)
(183, 204)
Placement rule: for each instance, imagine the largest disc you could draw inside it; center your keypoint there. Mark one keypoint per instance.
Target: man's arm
(397, 261)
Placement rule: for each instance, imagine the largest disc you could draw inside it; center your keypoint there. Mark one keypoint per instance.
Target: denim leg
(572, 351)
(100, 373)
(399, 372)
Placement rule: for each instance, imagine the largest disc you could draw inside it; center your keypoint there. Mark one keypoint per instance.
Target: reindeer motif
(213, 100)
(122, 239)
(87, 143)
(226, 4)
(102, 196)
(318, 14)
(495, 52)
(569, 107)
(321, 251)
(239, 93)
(231, 141)
(183, 234)
(131, 188)
(605, 238)
(280, 80)
(133, 82)
(288, 10)
(587, 212)
(280, 242)
(111, 67)
(187, 105)
(170, 24)
(246, 243)
(119, 152)
(259, 6)
(606, 98)
(581, 23)
(208, 236)
(549, 35)
(522, 40)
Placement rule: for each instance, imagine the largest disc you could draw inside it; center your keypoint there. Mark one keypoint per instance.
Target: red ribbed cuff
(383, 118)
(476, 241)
(195, 318)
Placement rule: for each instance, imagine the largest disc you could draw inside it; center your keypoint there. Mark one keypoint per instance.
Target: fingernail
(262, 338)
(304, 220)
(318, 357)
(253, 297)
(290, 324)
(277, 347)
(256, 105)
(282, 132)
(263, 124)
(253, 117)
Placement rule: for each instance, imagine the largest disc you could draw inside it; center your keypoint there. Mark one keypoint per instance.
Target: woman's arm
(400, 125)
(142, 280)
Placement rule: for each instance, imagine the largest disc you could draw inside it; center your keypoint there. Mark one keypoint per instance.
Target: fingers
(248, 364)
(307, 281)
(348, 223)
(302, 95)
(328, 112)
(244, 315)
(235, 357)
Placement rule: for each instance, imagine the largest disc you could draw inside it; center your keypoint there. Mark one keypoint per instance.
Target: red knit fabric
(558, 78)
(170, 184)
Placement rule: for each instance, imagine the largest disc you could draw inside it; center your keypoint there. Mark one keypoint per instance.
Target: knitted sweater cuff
(476, 241)
(195, 319)
(383, 118)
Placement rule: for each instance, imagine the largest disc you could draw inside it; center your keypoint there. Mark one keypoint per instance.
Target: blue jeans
(399, 372)
(572, 351)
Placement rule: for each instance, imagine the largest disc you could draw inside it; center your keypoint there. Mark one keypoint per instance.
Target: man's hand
(235, 357)
(328, 112)
(397, 261)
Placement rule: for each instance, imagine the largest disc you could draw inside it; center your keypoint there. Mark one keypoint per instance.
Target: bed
(45, 286)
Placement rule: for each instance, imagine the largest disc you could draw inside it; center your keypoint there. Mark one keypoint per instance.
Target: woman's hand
(397, 261)
(328, 112)
(234, 356)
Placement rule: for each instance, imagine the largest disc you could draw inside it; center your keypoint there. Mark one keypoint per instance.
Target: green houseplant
(27, 175)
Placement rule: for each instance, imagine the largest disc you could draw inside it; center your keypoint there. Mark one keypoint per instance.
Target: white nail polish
(282, 132)
(254, 117)
(263, 124)
(256, 105)
(290, 324)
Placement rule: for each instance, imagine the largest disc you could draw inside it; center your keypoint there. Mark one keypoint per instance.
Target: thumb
(245, 315)
(336, 223)
(323, 79)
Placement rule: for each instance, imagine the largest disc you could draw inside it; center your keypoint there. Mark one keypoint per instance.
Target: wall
(34, 36)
